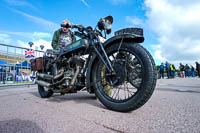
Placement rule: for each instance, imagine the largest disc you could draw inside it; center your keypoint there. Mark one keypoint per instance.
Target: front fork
(105, 60)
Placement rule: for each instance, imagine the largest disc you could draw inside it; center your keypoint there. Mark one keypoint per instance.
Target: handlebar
(81, 28)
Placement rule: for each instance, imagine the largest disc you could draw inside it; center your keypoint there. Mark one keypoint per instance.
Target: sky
(171, 27)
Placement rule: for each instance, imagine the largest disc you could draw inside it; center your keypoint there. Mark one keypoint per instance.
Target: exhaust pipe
(43, 83)
(45, 76)
(72, 82)
(60, 74)
(48, 85)
(50, 77)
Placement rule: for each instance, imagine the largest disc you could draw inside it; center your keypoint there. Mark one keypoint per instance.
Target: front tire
(135, 67)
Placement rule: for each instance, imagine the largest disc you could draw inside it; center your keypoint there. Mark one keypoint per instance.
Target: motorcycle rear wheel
(44, 92)
(134, 81)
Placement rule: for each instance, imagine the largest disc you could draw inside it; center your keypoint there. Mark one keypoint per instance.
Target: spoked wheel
(132, 82)
(44, 92)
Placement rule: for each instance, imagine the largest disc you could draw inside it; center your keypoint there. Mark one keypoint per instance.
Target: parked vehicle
(118, 70)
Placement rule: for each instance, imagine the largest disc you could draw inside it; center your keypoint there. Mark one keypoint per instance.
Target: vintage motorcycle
(120, 72)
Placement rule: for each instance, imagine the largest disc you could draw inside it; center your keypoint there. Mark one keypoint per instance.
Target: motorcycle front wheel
(133, 81)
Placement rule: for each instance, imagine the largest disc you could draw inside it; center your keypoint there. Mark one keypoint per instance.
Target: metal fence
(14, 67)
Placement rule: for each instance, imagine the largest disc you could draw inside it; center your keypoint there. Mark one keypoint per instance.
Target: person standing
(174, 70)
(192, 71)
(167, 66)
(4, 74)
(1, 74)
(63, 36)
(198, 68)
(162, 70)
(171, 71)
(187, 71)
(181, 67)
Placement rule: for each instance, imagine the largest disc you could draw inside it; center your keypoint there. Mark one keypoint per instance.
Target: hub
(118, 77)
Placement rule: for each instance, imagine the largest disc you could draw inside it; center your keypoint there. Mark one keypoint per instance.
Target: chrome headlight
(106, 24)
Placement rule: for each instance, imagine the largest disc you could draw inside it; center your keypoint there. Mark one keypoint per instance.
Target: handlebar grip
(73, 26)
(79, 27)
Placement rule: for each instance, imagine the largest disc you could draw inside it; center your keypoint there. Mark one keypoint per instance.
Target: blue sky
(36, 20)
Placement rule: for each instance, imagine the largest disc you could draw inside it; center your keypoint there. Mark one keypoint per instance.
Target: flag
(29, 53)
(47, 54)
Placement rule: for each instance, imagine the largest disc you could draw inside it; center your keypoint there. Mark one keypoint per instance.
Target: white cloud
(22, 44)
(14, 33)
(117, 1)
(134, 20)
(38, 38)
(47, 44)
(5, 38)
(157, 53)
(178, 27)
(45, 23)
(85, 3)
(34, 35)
(37, 43)
(19, 3)
(41, 35)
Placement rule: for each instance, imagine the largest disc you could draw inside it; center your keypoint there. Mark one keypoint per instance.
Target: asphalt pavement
(173, 108)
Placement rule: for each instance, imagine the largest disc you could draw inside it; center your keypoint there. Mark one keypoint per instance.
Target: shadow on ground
(79, 97)
(185, 86)
(177, 90)
(19, 126)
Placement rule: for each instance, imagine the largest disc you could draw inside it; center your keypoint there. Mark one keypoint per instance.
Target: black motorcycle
(120, 72)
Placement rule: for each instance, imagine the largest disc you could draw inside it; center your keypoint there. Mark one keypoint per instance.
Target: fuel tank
(80, 44)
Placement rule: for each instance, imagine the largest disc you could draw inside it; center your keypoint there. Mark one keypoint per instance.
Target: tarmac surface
(173, 108)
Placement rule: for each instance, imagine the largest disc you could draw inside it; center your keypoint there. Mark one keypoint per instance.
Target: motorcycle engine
(70, 65)
(47, 61)
(68, 74)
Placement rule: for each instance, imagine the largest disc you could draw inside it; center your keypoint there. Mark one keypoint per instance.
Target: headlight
(108, 26)
(105, 24)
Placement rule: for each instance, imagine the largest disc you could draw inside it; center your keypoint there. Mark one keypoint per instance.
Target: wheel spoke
(129, 66)
(115, 90)
(125, 91)
(117, 94)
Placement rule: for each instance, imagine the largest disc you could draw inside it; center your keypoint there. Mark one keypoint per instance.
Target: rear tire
(44, 93)
(143, 84)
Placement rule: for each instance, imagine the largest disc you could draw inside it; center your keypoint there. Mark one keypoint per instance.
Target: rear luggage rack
(37, 64)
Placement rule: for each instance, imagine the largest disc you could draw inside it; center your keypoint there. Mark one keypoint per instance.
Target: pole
(7, 63)
(15, 71)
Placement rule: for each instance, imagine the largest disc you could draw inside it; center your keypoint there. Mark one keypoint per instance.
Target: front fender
(110, 41)
(127, 38)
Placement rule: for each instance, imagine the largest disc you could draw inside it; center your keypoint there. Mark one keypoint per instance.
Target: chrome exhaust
(75, 75)
(45, 76)
(50, 77)
(60, 74)
(43, 83)
(66, 90)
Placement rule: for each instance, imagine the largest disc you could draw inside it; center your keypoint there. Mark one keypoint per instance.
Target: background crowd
(11, 74)
(170, 71)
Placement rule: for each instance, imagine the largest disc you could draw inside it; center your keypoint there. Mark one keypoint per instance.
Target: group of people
(2, 74)
(168, 68)
(183, 71)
